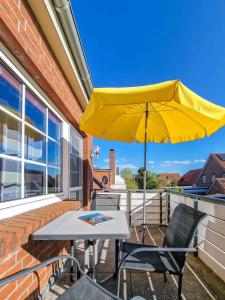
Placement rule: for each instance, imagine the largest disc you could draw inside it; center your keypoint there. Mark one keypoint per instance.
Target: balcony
(204, 274)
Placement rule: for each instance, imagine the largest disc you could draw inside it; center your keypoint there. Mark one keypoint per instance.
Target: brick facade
(22, 35)
(17, 251)
(98, 174)
(213, 166)
(112, 165)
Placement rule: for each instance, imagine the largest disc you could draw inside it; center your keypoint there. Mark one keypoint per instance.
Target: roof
(218, 187)
(220, 158)
(189, 178)
(169, 176)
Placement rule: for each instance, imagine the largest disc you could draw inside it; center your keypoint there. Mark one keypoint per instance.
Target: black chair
(169, 259)
(106, 201)
(84, 289)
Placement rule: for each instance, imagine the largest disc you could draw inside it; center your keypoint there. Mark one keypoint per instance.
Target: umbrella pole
(145, 173)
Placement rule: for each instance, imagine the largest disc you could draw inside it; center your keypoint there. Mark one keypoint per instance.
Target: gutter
(65, 14)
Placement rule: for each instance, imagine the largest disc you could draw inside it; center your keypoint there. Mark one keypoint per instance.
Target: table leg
(86, 256)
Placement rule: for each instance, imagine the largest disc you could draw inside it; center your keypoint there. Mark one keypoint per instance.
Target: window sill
(13, 203)
(16, 231)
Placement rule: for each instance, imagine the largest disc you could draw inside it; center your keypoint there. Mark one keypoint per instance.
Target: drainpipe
(65, 14)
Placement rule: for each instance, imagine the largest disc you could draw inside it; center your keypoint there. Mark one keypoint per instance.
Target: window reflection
(10, 176)
(54, 153)
(34, 180)
(10, 92)
(35, 112)
(54, 127)
(10, 135)
(54, 180)
(35, 145)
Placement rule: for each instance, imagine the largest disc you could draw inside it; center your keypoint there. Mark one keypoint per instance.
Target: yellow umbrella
(163, 112)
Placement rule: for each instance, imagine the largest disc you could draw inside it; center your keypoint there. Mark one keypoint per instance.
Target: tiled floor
(199, 281)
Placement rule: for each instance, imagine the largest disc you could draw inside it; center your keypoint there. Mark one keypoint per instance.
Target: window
(213, 177)
(34, 180)
(76, 150)
(10, 92)
(10, 135)
(30, 142)
(204, 179)
(105, 180)
(10, 176)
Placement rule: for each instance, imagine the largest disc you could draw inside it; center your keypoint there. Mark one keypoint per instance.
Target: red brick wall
(112, 165)
(211, 168)
(22, 35)
(17, 251)
(99, 173)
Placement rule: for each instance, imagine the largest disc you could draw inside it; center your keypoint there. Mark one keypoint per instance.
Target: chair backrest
(181, 230)
(106, 201)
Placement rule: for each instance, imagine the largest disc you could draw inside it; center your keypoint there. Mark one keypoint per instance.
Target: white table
(69, 227)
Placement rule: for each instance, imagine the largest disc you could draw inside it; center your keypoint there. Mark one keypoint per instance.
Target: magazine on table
(95, 219)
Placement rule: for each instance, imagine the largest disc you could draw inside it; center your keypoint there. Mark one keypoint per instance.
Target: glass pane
(76, 195)
(10, 135)
(35, 112)
(10, 92)
(34, 180)
(54, 154)
(54, 180)
(74, 163)
(10, 175)
(74, 179)
(53, 127)
(35, 145)
(74, 149)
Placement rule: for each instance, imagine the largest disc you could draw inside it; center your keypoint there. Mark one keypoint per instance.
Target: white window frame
(25, 204)
(78, 188)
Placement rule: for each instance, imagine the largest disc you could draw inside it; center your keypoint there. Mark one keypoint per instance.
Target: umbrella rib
(103, 132)
(138, 125)
(163, 121)
(188, 117)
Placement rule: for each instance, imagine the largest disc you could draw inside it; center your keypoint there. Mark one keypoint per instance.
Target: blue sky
(130, 43)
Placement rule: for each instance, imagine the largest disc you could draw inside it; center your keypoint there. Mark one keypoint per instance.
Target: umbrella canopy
(174, 114)
(163, 112)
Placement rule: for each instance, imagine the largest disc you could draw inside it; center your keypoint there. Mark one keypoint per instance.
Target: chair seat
(159, 262)
(86, 289)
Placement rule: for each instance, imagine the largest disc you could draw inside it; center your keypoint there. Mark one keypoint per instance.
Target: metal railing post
(160, 204)
(195, 205)
(128, 199)
(168, 207)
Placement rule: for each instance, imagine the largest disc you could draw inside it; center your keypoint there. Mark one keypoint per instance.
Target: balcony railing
(160, 205)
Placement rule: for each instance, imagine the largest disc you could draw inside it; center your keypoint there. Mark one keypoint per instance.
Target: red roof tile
(189, 178)
(169, 176)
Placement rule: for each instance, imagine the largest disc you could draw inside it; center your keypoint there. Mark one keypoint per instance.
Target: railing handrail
(170, 191)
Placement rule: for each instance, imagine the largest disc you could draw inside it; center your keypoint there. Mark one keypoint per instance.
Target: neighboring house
(218, 187)
(189, 178)
(108, 178)
(209, 180)
(214, 168)
(169, 178)
(44, 157)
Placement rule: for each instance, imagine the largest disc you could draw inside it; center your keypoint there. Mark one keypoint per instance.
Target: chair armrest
(156, 249)
(28, 271)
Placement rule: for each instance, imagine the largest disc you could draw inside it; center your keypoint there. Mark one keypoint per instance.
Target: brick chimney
(112, 165)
